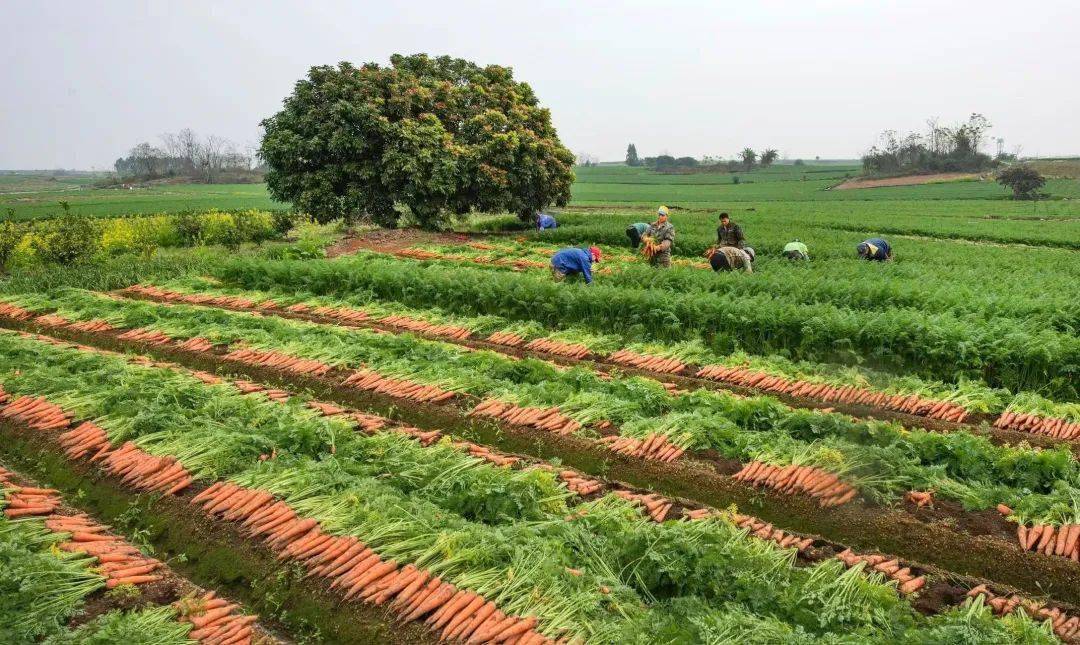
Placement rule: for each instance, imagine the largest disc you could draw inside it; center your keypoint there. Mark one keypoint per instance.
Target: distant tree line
(747, 159)
(210, 159)
(939, 149)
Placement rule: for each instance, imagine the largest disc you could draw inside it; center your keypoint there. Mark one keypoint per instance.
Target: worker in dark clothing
(574, 261)
(545, 221)
(875, 249)
(730, 258)
(729, 233)
(634, 232)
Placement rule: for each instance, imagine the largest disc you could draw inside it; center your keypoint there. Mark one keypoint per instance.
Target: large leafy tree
(434, 137)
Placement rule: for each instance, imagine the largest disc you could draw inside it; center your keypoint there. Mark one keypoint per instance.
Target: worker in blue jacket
(572, 261)
(543, 221)
(875, 249)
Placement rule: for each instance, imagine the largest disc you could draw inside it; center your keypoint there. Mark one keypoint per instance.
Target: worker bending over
(634, 232)
(659, 238)
(796, 250)
(574, 261)
(875, 249)
(544, 221)
(730, 258)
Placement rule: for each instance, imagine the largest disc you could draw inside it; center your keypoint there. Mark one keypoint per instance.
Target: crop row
(1025, 412)
(646, 580)
(847, 283)
(882, 460)
(932, 345)
(55, 559)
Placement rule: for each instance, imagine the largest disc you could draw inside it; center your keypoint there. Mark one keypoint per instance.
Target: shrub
(10, 236)
(254, 226)
(1024, 181)
(284, 221)
(189, 228)
(70, 239)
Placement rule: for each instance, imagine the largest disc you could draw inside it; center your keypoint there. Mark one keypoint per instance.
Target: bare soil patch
(910, 180)
(385, 240)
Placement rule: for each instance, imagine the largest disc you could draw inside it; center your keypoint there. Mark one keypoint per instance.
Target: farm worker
(659, 238)
(731, 258)
(634, 232)
(875, 249)
(796, 250)
(543, 221)
(729, 233)
(574, 260)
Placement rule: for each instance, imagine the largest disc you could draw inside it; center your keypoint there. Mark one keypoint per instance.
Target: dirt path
(910, 180)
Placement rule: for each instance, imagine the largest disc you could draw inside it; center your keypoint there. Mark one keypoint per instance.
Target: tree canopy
(431, 137)
(1024, 181)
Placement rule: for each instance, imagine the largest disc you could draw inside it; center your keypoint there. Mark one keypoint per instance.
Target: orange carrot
(130, 580)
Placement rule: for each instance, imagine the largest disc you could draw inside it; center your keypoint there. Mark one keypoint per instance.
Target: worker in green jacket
(796, 250)
(634, 232)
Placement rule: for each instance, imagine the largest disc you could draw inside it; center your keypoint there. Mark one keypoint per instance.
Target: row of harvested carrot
(646, 362)
(654, 446)
(148, 336)
(1047, 539)
(549, 419)
(357, 571)
(374, 382)
(911, 404)
(815, 482)
(1066, 627)
(213, 621)
(909, 582)
(278, 360)
(1048, 426)
(559, 348)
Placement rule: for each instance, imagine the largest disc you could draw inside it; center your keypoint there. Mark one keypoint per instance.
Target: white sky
(82, 82)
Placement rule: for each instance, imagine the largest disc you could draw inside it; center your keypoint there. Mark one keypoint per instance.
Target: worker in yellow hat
(658, 240)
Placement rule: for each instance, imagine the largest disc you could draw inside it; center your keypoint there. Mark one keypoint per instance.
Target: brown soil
(991, 555)
(389, 240)
(910, 180)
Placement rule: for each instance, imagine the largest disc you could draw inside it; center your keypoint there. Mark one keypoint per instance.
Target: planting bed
(250, 500)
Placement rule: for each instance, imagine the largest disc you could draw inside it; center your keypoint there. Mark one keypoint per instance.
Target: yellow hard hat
(662, 210)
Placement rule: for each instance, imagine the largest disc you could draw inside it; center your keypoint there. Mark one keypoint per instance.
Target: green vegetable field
(223, 423)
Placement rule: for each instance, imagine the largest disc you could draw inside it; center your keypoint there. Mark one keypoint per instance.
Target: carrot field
(349, 435)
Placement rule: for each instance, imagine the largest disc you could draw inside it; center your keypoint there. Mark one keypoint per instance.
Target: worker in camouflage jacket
(662, 233)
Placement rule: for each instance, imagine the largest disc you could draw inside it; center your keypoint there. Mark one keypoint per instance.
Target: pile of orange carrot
(52, 320)
(485, 453)
(581, 485)
(570, 350)
(15, 313)
(94, 325)
(278, 360)
(549, 419)
(213, 620)
(148, 336)
(196, 344)
(415, 324)
(418, 254)
(144, 471)
(656, 506)
(1035, 424)
(358, 572)
(1048, 539)
(909, 582)
(645, 362)
(655, 446)
(1066, 627)
(822, 485)
(766, 531)
(911, 404)
(36, 412)
(375, 382)
(920, 498)
(506, 338)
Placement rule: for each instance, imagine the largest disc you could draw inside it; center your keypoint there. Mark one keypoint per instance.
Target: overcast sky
(82, 82)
